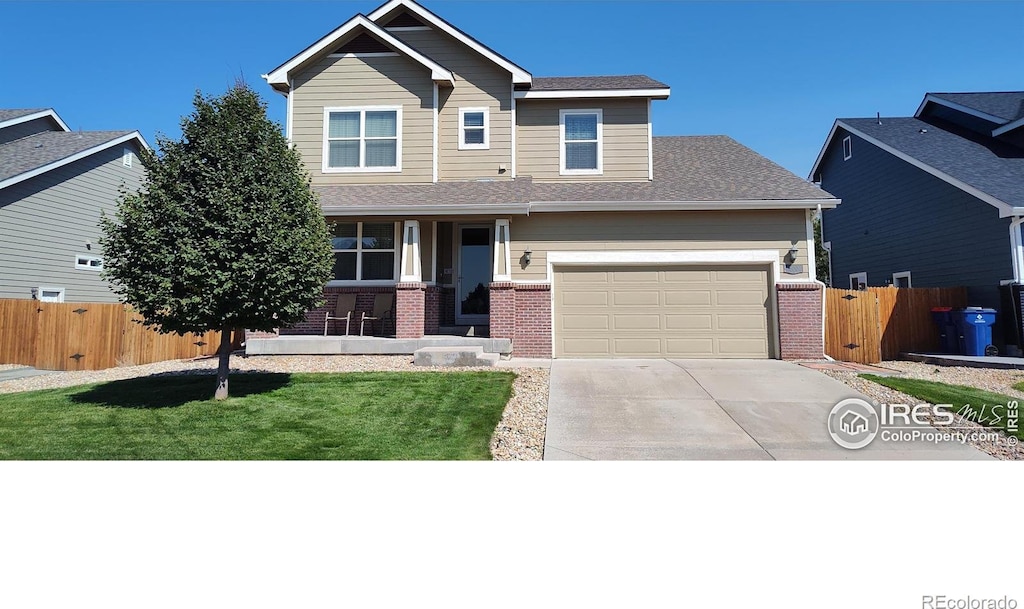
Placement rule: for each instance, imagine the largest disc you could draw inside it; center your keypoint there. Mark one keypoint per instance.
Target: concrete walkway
(705, 409)
(10, 374)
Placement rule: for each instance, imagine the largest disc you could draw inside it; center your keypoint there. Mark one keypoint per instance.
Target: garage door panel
(664, 311)
(651, 298)
(675, 298)
(689, 321)
(586, 322)
(687, 276)
(689, 347)
(585, 299)
(638, 346)
(636, 322)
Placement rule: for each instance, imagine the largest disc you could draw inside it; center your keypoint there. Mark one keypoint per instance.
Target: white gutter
(593, 93)
(562, 206)
(1017, 249)
(427, 210)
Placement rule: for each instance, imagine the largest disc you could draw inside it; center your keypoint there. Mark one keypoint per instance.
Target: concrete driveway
(705, 409)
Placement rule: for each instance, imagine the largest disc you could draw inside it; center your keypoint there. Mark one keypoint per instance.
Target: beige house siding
(365, 81)
(698, 230)
(624, 145)
(478, 84)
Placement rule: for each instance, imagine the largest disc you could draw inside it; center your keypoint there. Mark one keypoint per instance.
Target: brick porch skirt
(314, 322)
(800, 320)
(522, 312)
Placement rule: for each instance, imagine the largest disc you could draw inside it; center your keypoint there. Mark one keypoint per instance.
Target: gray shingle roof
(686, 168)
(984, 163)
(41, 149)
(1007, 105)
(588, 83)
(8, 114)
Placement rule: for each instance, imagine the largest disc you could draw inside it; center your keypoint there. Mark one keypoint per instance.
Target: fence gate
(852, 330)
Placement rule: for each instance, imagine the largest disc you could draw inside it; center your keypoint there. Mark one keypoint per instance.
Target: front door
(476, 261)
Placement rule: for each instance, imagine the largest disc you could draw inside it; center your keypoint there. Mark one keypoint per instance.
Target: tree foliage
(225, 231)
(822, 268)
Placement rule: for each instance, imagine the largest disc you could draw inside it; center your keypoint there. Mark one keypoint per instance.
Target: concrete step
(454, 356)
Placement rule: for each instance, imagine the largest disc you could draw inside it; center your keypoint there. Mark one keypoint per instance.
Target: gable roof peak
(519, 75)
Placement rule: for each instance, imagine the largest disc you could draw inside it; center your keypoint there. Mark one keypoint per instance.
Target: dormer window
(474, 129)
(362, 139)
(580, 145)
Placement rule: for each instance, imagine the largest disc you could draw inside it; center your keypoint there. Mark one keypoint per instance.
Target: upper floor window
(580, 141)
(474, 129)
(126, 157)
(847, 148)
(362, 139)
(88, 263)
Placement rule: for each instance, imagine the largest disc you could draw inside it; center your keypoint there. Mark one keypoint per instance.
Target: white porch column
(502, 251)
(412, 269)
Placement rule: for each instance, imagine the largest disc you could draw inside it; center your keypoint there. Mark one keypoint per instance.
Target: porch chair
(343, 310)
(382, 305)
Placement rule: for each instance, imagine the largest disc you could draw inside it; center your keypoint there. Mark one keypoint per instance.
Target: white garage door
(662, 311)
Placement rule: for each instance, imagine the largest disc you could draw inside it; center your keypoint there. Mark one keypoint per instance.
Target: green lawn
(411, 415)
(959, 396)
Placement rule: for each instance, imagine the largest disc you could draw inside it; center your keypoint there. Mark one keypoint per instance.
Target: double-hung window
(474, 129)
(364, 251)
(362, 139)
(580, 145)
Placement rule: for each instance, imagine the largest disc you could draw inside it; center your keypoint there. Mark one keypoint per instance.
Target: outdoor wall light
(527, 255)
(793, 251)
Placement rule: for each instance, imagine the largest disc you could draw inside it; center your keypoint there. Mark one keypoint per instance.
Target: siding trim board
(1005, 209)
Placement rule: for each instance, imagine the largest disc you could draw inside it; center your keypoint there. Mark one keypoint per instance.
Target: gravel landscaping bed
(998, 381)
(11, 366)
(519, 435)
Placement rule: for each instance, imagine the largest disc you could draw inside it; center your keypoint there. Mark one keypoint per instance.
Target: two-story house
(54, 185)
(932, 200)
(542, 209)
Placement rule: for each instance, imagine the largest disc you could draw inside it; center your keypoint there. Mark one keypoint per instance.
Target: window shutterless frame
(564, 141)
(88, 262)
(847, 148)
(857, 280)
(478, 129)
(362, 138)
(358, 253)
(902, 278)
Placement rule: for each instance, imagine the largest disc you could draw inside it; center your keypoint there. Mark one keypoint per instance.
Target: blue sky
(772, 75)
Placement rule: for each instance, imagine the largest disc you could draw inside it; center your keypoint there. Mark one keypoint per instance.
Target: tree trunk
(223, 367)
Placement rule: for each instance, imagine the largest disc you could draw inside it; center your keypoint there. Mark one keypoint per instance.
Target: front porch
(368, 345)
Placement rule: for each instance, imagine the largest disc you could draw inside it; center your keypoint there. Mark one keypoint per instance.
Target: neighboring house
(54, 184)
(542, 209)
(933, 200)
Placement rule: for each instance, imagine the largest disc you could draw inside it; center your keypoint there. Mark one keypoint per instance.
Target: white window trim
(847, 148)
(902, 275)
(87, 266)
(126, 157)
(41, 289)
(325, 159)
(462, 129)
(561, 142)
(860, 277)
(359, 259)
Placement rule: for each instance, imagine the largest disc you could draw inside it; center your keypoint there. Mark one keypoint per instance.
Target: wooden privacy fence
(868, 326)
(88, 336)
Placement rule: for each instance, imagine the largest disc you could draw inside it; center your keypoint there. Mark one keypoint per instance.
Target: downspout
(824, 287)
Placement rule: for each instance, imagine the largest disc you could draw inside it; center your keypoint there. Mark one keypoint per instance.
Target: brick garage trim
(800, 321)
(522, 312)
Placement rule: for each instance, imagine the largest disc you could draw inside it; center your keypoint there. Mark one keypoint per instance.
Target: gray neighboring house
(932, 200)
(54, 184)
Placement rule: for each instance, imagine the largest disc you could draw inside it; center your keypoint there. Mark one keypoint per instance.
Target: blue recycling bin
(949, 336)
(975, 326)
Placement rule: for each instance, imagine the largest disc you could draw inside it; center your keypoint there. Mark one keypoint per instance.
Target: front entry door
(476, 261)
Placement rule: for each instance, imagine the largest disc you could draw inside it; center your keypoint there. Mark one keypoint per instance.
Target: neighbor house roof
(690, 172)
(1006, 105)
(981, 166)
(6, 115)
(35, 154)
